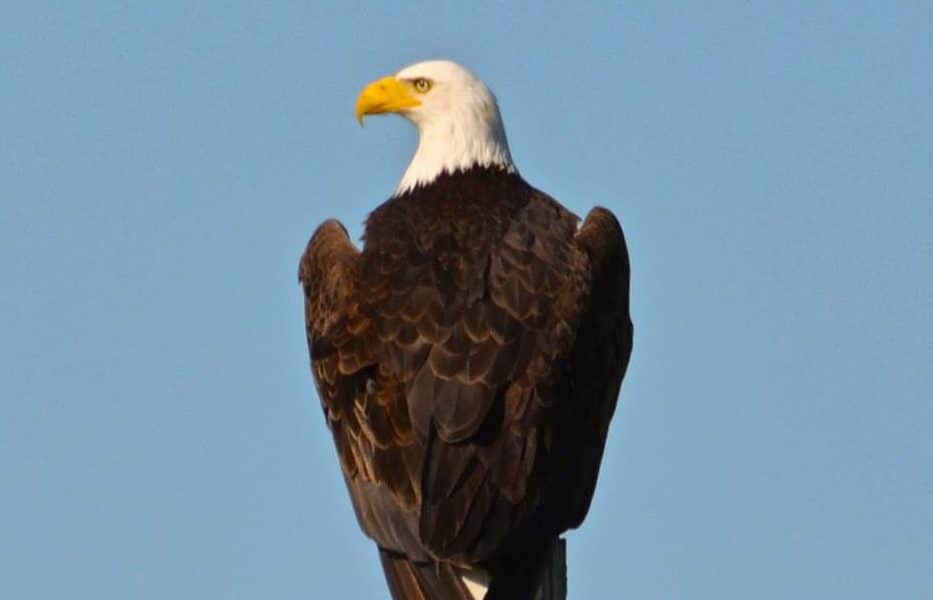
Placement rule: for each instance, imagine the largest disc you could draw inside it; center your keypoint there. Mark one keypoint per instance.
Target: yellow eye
(422, 85)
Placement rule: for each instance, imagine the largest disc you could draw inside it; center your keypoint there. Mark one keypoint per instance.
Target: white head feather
(459, 124)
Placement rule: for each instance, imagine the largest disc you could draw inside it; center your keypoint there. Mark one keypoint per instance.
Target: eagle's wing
(364, 405)
(600, 354)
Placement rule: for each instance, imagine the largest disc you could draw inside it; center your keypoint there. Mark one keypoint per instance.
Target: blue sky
(163, 164)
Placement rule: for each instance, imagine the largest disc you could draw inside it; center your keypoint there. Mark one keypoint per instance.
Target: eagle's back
(453, 383)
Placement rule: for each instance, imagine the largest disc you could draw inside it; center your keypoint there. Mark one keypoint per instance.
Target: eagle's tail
(422, 581)
(520, 577)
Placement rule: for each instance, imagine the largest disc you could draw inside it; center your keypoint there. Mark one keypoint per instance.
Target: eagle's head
(456, 115)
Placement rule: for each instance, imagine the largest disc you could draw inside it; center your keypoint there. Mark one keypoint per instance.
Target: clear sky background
(162, 165)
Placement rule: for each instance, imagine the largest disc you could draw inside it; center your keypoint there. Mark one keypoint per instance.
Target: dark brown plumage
(468, 361)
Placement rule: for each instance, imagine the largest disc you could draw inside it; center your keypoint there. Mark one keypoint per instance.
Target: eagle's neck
(456, 141)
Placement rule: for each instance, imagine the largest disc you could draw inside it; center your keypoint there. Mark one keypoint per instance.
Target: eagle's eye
(422, 85)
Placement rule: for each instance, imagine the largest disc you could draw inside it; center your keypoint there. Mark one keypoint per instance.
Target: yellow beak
(383, 96)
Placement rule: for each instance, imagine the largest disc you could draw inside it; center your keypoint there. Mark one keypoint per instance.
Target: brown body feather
(468, 361)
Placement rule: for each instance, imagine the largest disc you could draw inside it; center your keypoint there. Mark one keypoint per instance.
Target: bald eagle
(469, 357)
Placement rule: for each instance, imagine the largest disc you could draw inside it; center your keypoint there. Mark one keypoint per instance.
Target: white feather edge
(477, 582)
